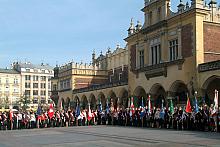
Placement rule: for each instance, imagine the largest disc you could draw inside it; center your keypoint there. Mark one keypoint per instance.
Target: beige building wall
(9, 87)
(161, 27)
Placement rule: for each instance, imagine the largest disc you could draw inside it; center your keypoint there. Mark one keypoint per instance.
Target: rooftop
(8, 71)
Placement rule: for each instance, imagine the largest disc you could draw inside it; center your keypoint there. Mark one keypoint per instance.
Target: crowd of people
(178, 118)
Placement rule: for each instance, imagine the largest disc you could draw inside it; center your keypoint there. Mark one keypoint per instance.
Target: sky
(60, 31)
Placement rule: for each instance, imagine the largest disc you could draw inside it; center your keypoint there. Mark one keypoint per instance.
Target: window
(43, 100)
(15, 81)
(159, 13)
(42, 92)
(150, 18)
(27, 85)
(27, 92)
(61, 85)
(43, 78)
(28, 69)
(141, 58)
(35, 92)
(35, 85)
(7, 81)
(35, 100)
(55, 87)
(173, 46)
(68, 83)
(16, 90)
(27, 77)
(120, 76)
(42, 85)
(49, 85)
(64, 84)
(111, 78)
(35, 78)
(156, 54)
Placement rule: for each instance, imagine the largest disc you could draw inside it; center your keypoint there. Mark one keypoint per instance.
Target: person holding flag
(100, 106)
(78, 117)
(196, 103)
(89, 115)
(51, 114)
(143, 112)
(39, 113)
(188, 105)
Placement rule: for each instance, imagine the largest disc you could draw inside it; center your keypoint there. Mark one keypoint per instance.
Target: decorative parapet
(209, 66)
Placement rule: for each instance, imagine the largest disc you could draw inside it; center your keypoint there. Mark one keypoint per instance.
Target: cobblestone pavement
(100, 136)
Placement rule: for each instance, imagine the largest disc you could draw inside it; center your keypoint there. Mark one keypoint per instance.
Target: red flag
(188, 106)
(132, 105)
(51, 111)
(11, 115)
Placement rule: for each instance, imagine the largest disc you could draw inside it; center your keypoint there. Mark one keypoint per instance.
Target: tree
(24, 101)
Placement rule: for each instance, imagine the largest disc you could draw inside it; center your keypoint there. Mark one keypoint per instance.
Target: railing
(209, 66)
(159, 69)
(98, 87)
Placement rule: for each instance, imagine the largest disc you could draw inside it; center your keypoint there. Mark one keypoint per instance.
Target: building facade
(175, 54)
(10, 83)
(88, 83)
(35, 82)
(172, 55)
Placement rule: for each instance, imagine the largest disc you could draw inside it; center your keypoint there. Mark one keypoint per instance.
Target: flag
(196, 105)
(39, 111)
(162, 105)
(142, 102)
(188, 106)
(129, 102)
(11, 115)
(51, 111)
(162, 112)
(90, 114)
(143, 112)
(149, 105)
(132, 106)
(107, 107)
(77, 110)
(216, 101)
(100, 106)
(171, 107)
(61, 105)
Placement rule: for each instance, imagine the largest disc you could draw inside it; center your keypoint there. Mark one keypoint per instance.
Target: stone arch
(75, 101)
(92, 101)
(158, 94)
(101, 96)
(113, 99)
(67, 104)
(123, 98)
(178, 92)
(140, 93)
(209, 86)
(62, 103)
(84, 102)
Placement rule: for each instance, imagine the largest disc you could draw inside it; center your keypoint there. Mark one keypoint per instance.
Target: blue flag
(39, 110)
(100, 106)
(142, 103)
(196, 106)
(77, 110)
(143, 112)
(107, 107)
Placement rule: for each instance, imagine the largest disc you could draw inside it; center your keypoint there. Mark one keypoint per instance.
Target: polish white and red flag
(89, 114)
(51, 111)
